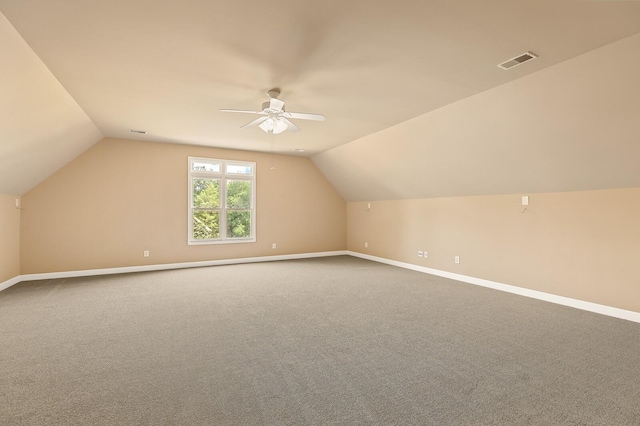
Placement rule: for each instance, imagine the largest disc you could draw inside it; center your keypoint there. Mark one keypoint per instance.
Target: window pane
(238, 194)
(206, 193)
(236, 169)
(206, 224)
(238, 224)
(201, 166)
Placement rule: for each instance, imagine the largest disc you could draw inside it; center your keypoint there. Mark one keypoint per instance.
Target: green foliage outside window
(238, 194)
(206, 193)
(238, 224)
(238, 197)
(206, 223)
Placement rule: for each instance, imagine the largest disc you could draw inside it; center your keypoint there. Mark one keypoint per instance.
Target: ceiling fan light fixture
(267, 125)
(273, 125)
(279, 127)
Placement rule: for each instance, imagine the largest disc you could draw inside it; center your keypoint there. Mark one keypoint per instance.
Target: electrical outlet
(457, 259)
(366, 245)
(145, 253)
(273, 245)
(426, 254)
(419, 254)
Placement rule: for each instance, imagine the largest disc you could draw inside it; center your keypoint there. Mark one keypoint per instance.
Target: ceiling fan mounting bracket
(274, 93)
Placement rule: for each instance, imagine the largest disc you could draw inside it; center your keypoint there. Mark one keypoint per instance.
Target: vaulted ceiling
(75, 71)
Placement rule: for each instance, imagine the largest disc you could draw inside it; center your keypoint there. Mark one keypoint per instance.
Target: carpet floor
(328, 341)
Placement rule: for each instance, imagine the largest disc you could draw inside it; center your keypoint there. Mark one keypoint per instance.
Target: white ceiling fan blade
(242, 111)
(303, 116)
(290, 125)
(276, 104)
(258, 120)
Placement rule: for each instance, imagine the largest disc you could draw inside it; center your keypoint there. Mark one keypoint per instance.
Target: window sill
(214, 242)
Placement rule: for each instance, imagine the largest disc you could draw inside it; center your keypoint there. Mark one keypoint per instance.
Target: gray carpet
(308, 342)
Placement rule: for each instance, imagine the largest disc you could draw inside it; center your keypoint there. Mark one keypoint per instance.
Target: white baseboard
(10, 282)
(165, 266)
(548, 297)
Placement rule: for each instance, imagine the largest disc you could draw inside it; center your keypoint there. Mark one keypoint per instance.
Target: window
(222, 199)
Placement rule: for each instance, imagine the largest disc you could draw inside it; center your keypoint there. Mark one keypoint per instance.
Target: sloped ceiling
(167, 67)
(41, 127)
(574, 126)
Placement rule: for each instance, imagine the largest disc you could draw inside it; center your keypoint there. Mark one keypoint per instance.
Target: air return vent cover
(513, 62)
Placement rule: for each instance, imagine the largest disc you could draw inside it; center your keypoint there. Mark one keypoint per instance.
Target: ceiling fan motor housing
(266, 107)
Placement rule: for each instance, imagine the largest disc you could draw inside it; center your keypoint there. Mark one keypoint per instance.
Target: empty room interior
(299, 213)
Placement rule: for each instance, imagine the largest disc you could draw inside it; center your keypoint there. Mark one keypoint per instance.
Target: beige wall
(583, 245)
(9, 237)
(122, 197)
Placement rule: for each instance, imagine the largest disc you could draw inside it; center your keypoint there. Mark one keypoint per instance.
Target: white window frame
(223, 176)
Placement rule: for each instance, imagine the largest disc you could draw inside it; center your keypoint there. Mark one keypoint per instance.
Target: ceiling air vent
(142, 132)
(513, 62)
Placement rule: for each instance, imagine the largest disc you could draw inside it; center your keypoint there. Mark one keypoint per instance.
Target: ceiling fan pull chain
(273, 149)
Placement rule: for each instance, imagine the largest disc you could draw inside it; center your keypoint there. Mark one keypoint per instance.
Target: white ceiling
(167, 67)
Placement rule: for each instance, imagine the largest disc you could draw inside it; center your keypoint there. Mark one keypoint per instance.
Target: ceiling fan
(274, 118)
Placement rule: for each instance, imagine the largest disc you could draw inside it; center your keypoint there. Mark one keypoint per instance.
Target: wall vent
(514, 62)
(142, 132)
